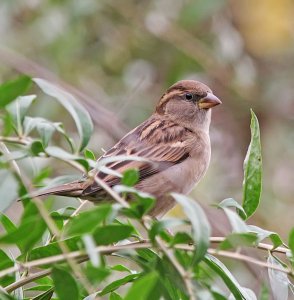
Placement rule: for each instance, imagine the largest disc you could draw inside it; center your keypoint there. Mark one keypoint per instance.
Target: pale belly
(180, 178)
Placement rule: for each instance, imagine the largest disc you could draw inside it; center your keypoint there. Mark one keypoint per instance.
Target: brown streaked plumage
(175, 140)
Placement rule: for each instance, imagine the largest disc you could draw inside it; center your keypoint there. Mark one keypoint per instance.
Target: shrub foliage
(115, 250)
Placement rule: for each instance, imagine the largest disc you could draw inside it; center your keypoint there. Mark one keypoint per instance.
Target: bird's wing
(162, 142)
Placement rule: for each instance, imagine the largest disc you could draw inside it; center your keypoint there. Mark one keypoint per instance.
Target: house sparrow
(174, 140)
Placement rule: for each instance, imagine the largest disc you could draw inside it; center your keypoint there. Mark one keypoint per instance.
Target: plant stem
(262, 246)
(15, 140)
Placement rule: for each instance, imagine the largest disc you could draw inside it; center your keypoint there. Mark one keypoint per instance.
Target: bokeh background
(118, 57)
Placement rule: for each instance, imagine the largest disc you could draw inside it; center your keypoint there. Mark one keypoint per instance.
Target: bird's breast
(185, 175)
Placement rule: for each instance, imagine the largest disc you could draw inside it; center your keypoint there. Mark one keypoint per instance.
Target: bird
(174, 142)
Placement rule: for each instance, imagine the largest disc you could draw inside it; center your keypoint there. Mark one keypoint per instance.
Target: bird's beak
(209, 101)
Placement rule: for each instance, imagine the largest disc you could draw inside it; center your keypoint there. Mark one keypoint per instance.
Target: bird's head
(189, 103)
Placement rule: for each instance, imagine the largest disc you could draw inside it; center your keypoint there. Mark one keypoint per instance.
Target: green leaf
(218, 296)
(7, 223)
(96, 274)
(14, 155)
(170, 282)
(143, 287)
(230, 281)
(30, 230)
(65, 284)
(46, 131)
(37, 148)
(53, 249)
(181, 238)
(252, 183)
(262, 234)
(121, 268)
(278, 280)
(57, 217)
(66, 156)
(159, 226)
(5, 263)
(47, 295)
(89, 154)
(5, 296)
(87, 221)
(130, 177)
(200, 224)
(105, 235)
(18, 109)
(118, 283)
(139, 207)
(41, 175)
(43, 287)
(80, 115)
(235, 240)
(141, 202)
(238, 225)
(115, 296)
(8, 189)
(291, 241)
(10, 90)
(27, 234)
(230, 202)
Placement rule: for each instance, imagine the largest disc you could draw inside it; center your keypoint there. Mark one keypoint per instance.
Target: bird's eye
(189, 96)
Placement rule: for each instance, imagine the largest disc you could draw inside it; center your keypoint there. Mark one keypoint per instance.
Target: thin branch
(23, 281)
(239, 256)
(262, 246)
(15, 140)
(111, 192)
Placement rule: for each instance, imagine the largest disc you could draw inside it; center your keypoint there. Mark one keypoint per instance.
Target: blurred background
(118, 57)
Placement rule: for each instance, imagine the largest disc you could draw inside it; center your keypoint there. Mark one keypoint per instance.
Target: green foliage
(65, 285)
(107, 243)
(87, 221)
(143, 287)
(10, 90)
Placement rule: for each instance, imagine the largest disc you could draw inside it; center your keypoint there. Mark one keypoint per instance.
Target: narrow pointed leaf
(233, 285)
(118, 283)
(278, 280)
(252, 183)
(200, 225)
(65, 285)
(80, 115)
(291, 242)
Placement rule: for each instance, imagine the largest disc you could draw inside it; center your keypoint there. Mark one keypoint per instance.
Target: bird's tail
(73, 189)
